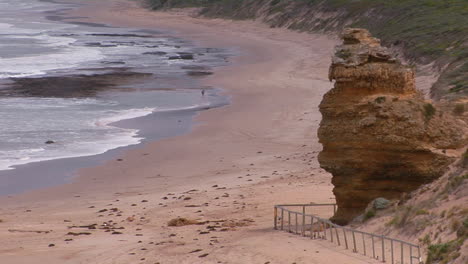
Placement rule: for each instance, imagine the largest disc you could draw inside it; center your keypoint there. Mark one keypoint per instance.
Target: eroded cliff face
(380, 138)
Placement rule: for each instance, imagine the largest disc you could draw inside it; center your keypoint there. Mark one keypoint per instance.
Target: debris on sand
(180, 221)
(238, 223)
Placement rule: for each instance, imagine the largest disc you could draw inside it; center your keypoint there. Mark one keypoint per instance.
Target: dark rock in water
(209, 50)
(159, 53)
(73, 86)
(100, 45)
(49, 142)
(125, 43)
(51, 245)
(199, 73)
(120, 35)
(92, 44)
(182, 56)
(195, 67)
(89, 24)
(113, 62)
(187, 57)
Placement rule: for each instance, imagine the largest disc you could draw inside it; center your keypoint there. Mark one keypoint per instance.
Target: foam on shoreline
(120, 137)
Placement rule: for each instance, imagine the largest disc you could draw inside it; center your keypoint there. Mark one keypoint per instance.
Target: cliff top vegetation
(425, 31)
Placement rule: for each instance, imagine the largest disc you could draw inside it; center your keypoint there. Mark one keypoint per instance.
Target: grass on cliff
(429, 28)
(446, 252)
(425, 30)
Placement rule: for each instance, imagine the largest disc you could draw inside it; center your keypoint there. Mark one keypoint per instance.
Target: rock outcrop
(380, 137)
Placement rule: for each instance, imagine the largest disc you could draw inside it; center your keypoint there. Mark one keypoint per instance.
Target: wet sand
(228, 172)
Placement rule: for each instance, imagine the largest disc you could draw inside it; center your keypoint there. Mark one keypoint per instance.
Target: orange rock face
(380, 138)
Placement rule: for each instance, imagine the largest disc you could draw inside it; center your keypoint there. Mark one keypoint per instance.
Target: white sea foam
(69, 57)
(47, 40)
(124, 115)
(79, 127)
(113, 137)
(18, 32)
(184, 108)
(4, 27)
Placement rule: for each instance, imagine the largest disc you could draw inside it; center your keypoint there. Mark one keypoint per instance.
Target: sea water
(35, 42)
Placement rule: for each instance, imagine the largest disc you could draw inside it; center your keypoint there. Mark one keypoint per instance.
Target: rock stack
(380, 137)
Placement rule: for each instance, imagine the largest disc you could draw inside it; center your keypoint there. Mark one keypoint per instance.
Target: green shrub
(462, 230)
(401, 218)
(454, 183)
(437, 252)
(455, 225)
(426, 240)
(274, 2)
(429, 111)
(442, 214)
(369, 214)
(444, 253)
(422, 212)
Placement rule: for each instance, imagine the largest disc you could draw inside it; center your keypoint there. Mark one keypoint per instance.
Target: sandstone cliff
(380, 138)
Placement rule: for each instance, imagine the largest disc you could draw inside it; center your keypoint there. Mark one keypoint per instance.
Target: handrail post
(324, 227)
(282, 218)
(354, 242)
(289, 221)
(303, 220)
(391, 247)
(296, 221)
(419, 254)
(402, 256)
(373, 246)
(276, 218)
(311, 227)
(383, 248)
(364, 244)
(345, 238)
(337, 237)
(411, 254)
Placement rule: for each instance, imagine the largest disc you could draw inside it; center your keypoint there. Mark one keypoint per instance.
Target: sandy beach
(228, 172)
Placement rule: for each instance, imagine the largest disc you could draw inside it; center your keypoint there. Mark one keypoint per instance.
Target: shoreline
(233, 165)
(36, 174)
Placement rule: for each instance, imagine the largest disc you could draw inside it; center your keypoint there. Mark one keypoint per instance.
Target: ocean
(65, 84)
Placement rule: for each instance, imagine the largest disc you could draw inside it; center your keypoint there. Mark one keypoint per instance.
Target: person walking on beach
(203, 92)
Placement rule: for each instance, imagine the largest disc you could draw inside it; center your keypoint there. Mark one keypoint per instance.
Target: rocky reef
(380, 137)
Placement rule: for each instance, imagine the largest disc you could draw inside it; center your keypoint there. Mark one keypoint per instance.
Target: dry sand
(236, 163)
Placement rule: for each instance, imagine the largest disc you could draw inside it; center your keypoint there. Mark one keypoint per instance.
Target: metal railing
(375, 246)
